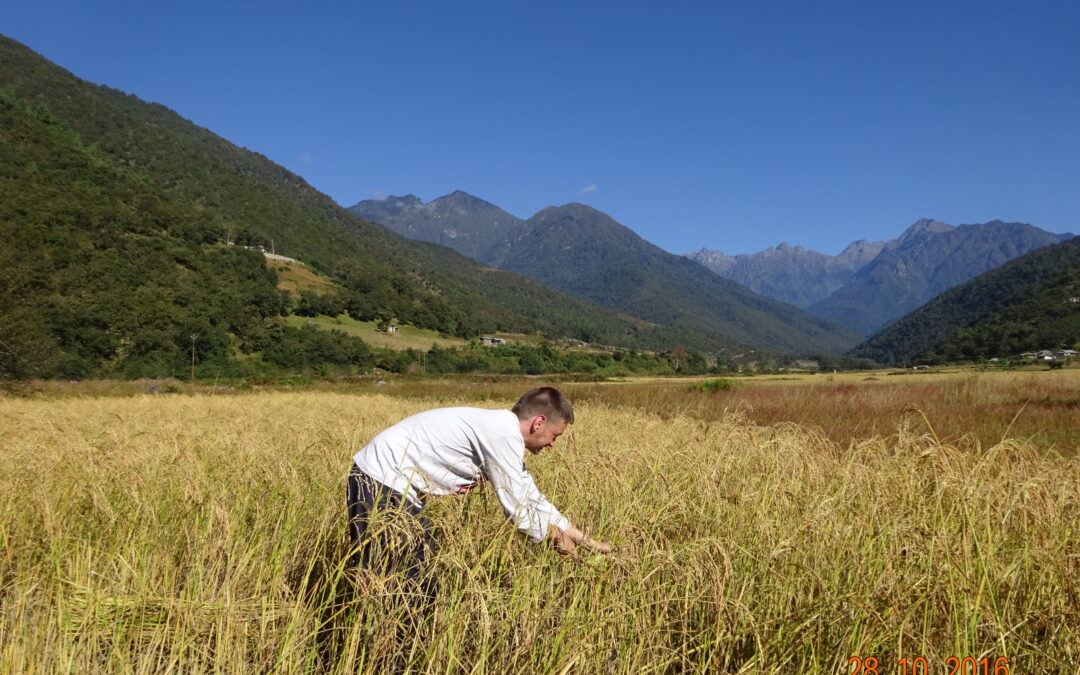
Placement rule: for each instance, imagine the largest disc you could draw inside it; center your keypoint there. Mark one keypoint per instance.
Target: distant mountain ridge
(458, 220)
(867, 286)
(587, 254)
(871, 284)
(789, 273)
(928, 258)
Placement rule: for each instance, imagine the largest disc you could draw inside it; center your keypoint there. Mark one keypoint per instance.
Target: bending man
(449, 451)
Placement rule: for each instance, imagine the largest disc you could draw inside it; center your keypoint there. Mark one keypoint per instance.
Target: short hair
(547, 401)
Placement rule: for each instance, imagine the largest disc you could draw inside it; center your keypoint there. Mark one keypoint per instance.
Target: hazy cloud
(589, 188)
(306, 158)
(378, 195)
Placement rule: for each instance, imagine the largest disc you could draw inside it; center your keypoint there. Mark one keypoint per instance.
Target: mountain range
(871, 284)
(588, 255)
(789, 273)
(118, 219)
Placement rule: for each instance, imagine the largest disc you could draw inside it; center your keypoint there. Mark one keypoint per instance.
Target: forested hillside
(117, 215)
(1026, 304)
(259, 202)
(101, 272)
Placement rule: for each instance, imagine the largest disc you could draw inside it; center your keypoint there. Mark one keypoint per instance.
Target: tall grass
(966, 409)
(205, 533)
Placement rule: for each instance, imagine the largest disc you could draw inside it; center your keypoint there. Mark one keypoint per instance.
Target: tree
(678, 357)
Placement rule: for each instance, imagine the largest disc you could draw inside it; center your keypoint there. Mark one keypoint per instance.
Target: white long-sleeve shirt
(446, 450)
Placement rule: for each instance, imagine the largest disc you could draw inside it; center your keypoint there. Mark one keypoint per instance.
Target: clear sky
(731, 125)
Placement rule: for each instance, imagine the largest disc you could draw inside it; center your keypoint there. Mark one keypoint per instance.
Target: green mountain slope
(101, 272)
(1022, 305)
(238, 195)
(587, 254)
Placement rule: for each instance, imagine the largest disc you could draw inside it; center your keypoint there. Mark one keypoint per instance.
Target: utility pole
(194, 339)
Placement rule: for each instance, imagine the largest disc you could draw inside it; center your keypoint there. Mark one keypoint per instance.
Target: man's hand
(567, 541)
(596, 546)
(561, 541)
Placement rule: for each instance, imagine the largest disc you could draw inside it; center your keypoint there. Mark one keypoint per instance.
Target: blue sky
(731, 125)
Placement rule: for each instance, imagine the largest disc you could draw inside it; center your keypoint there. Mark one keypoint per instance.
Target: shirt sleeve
(521, 500)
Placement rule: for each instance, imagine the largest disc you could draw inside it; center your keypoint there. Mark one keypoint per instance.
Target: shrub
(713, 386)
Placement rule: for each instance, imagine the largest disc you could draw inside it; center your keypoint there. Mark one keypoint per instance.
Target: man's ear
(538, 423)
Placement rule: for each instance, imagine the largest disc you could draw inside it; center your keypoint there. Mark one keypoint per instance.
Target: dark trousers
(387, 534)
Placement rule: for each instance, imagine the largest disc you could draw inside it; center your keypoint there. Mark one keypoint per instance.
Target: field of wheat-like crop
(205, 533)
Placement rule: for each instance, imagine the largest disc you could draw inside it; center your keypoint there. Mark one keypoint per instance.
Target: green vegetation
(585, 253)
(103, 274)
(1021, 306)
(712, 386)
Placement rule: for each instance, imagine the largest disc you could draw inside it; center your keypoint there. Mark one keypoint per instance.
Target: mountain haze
(587, 254)
(789, 273)
(871, 284)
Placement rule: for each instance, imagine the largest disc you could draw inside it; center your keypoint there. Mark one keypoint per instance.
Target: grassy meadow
(407, 337)
(294, 277)
(204, 532)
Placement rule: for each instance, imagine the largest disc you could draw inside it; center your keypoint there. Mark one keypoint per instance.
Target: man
(449, 451)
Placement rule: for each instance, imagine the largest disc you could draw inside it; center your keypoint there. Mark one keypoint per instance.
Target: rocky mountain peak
(922, 228)
(860, 252)
(409, 201)
(459, 201)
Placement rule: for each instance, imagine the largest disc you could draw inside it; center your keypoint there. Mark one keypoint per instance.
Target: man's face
(542, 433)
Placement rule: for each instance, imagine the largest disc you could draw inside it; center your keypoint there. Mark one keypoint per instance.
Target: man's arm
(503, 464)
(517, 493)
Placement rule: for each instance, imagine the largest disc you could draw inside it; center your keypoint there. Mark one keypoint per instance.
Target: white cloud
(589, 188)
(378, 195)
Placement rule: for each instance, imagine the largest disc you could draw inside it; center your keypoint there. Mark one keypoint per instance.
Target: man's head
(544, 414)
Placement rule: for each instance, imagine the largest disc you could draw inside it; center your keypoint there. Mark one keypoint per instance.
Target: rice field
(204, 532)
